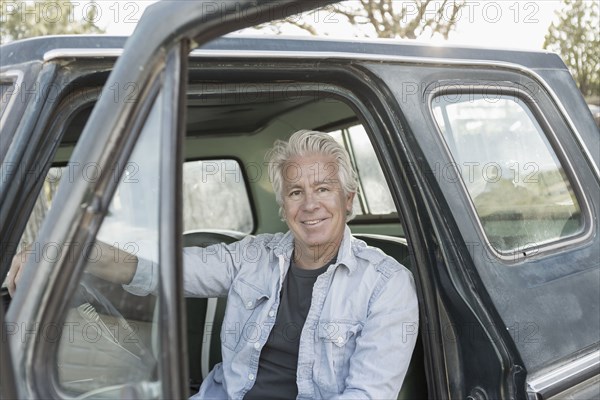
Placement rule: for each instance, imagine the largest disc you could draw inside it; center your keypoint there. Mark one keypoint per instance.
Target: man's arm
(384, 348)
(208, 272)
(113, 264)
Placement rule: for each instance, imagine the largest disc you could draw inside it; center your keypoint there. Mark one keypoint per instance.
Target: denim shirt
(359, 334)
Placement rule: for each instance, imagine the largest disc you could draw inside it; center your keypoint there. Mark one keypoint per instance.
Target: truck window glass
(215, 196)
(43, 204)
(10, 82)
(8, 90)
(110, 342)
(374, 194)
(513, 176)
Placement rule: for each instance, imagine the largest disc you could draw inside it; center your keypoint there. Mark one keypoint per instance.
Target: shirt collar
(284, 246)
(345, 253)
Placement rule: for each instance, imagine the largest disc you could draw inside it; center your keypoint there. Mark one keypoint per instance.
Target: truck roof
(34, 49)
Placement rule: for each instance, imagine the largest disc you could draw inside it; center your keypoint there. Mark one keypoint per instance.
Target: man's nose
(310, 201)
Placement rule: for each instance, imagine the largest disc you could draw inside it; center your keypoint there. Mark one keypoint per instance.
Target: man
(312, 313)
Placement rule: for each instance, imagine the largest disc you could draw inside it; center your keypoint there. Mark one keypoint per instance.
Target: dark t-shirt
(276, 377)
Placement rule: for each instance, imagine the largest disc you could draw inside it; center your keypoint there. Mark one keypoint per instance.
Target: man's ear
(350, 200)
(282, 213)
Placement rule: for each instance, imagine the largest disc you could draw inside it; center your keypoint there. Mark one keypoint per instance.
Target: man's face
(314, 203)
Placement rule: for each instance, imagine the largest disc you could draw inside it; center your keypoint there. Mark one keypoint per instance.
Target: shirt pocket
(241, 324)
(337, 343)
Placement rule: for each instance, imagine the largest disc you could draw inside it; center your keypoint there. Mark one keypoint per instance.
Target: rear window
(374, 197)
(215, 196)
(517, 184)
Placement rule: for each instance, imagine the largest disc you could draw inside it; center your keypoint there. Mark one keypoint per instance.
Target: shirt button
(249, 304)
(257, 345)
(251, 377)
(271, 313)
(340, 339)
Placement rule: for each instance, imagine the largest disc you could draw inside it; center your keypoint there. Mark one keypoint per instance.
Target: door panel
(541, 289)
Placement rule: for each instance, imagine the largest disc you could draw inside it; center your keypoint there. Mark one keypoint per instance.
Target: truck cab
(478, 171)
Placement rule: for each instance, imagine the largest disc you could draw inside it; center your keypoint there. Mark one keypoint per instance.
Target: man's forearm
(114, 265)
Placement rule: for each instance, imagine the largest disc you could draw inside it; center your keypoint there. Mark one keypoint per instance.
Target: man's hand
(16, 267)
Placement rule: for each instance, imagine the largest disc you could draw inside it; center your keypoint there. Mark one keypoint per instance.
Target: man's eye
(295, 193)
(323, 189)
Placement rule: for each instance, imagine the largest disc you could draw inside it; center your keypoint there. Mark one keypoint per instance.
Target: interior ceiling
(215, 115)
(247, 117)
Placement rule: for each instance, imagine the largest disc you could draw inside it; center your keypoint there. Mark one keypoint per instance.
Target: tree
(23, 19)
(407, 19)
(576, 38)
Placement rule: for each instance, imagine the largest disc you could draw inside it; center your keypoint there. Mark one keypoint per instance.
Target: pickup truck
(478, 171)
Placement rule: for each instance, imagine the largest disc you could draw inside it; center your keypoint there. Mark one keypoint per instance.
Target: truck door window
(110, 341)
(42, 205)
(9, 85)
(6, 89)
(515, 180)
(10, 82)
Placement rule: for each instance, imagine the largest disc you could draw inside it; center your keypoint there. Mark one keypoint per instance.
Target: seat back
(415, 382)
(204, 316)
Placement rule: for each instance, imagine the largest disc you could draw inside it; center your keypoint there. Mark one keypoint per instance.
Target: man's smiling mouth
(313, 221)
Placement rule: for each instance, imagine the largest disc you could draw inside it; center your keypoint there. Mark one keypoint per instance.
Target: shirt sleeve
(207, 271)
(145, 279)
(384, 348)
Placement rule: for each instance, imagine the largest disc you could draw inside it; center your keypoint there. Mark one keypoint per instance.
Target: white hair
(306, 142)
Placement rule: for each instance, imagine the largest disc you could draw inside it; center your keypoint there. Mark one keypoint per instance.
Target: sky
(518, 24)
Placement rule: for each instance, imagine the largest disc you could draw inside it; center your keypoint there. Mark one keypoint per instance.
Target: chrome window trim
(518, 255)
(377, 236)
(557, 380)
(60, 54)
(57, 54)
